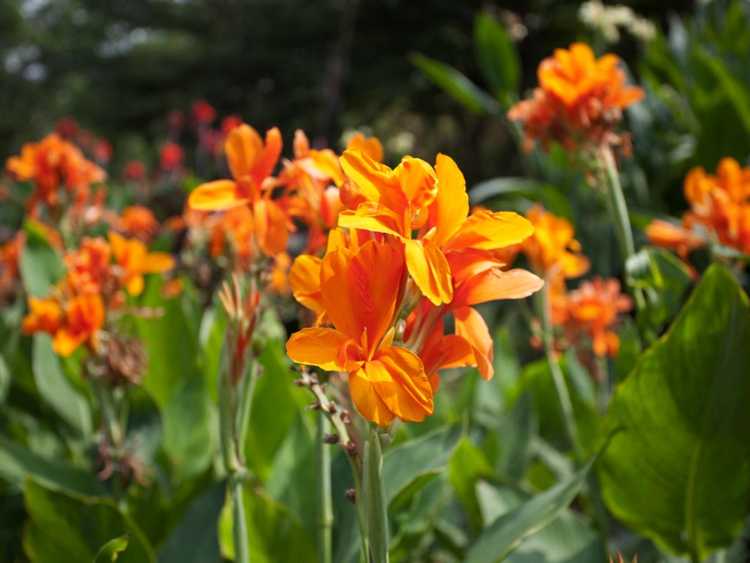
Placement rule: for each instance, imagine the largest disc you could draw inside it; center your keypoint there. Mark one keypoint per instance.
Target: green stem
(375, 507)
(325, 515)
(245, 407)
(239, 521)
(618, 209)
(563, 395)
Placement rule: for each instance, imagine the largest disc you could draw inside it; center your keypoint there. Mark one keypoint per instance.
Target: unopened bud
(345, 416)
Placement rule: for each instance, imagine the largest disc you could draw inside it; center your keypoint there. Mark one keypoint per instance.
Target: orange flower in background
(134, 260)
(52, 164)
(89, 266)
(592, 311)
(579, 100)
(553, 251)
(10, 254)
(251, 161)
(414, 197)
(171, 156)
(84, 317)
(45, 315)
(719, 211)
(385, 381)
(138, 221)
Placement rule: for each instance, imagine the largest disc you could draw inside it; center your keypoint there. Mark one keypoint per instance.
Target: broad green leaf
(497, 57)
(679, 471)
(523, 190)
(56, 389)
(17, 463)
(76, 527)
(274, 532)
(195, 539)
(41, 265)
(112, 550)
(456, 85)
(508, 531)
(567, 539)
(410, 466)
(467, 465)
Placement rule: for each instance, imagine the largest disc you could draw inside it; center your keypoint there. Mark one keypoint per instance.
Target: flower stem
(566, 405)
(375, 508)
(325, 515)
(618, 209)
(239, 521)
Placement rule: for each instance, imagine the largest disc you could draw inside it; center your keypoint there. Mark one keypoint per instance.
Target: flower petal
(399, 379)
(158, 262)
(430, 270)
(471, 326)
(494, 284)
(271, 227)
(215, 196)
(304, 279)
(317, 347)
(373, 218)
(371, 178)
(243, 147)
(486, 230)
(368, 402)
(451, 206)
(269, 157)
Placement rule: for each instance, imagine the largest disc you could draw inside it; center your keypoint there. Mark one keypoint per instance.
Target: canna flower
(415, 197)
(674, 237)
(89, 266)
(578, 102)
(138, 221)
(45, 315)
(591, 312)
(84, 317)
(251, 161)
(53, 164)
(10, 254)
(134, 260)
(304, 280)
(553, 251)
(385, 381)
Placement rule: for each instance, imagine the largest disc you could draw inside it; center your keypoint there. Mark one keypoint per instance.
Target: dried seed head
(125, 360)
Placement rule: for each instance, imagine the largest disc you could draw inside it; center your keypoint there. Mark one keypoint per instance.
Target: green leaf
(410, 466)
(677, 472)
(41, 265)
(56, 389)
(77, 527)
(111, 550)
(17, 463)
(196, 539)
(524, 190)
(456, 85)
(467, 465)
(497, 57)
(508, 531)
(274, 532)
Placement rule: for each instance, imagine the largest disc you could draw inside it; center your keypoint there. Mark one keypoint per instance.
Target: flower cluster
(719, 211)
(99, 274)
(578, 102)
(406, 255)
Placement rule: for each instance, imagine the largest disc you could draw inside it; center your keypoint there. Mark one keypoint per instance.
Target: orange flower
(10, 254)
(553, 251)
(433, 202)
(89, 266)
(579, 100)
(134, 261)
(138, 221)
(251, 162)
(592, 310)
(385, 381)
(51, 164)
(279, 275)
(675, 237)
(45, 315)
(84, 316)
(304, 279)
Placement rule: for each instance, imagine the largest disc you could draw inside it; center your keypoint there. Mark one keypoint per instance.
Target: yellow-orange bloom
(45, 315)
(592, 311)
(84, 317)
(552, 250)
(360, 292)
(139, 222)
(414, 197)
(88, 266)
(251, 162)
(134, 260)
(579, 100)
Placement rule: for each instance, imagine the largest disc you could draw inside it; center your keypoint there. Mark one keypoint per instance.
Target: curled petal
(430, 270)
(451, 206)
(317, 347)
(368, 402)
(471, 326)
(216, 196)
(304, 279)
(485, 230)
(369, 217)
(370, 177)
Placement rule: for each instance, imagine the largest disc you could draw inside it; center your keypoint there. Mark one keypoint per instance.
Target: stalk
(618, 210)
(239, 522)
(563, 395)
(325, 515)
(375, 508)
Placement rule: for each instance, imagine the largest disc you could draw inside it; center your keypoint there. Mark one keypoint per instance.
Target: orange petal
(271, 227)
(215, 196)
(135, 285)
(371, 147)
(441, 351)
(430, 270)
(304, 279)
(243, 147)
(370, 177)
(451, 206)
(326, 162)
(368, 402)
(158, 262)
(371, 217)
(471, 326)
(317, 347)
(495, 284)
(400, 381)
(270, 155)
(418, 181)
(65, 343)
(360, 289)
(486, 230)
